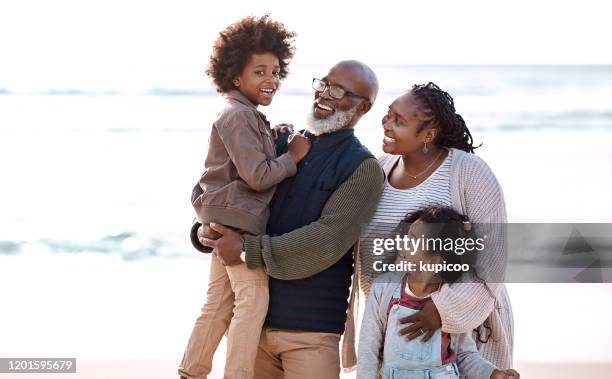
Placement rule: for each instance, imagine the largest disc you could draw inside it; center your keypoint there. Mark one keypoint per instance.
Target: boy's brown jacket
(241, 169)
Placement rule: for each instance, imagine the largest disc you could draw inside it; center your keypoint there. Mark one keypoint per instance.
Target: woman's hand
(281, 128)
(505, 374)
(424, 322)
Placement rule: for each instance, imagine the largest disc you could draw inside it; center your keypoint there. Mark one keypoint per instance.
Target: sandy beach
(163, 368)
(132, 320)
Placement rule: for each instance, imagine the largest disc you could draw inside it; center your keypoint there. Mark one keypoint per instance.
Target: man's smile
(322, 108)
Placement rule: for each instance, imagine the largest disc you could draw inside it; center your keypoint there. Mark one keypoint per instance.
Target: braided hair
(439, 109)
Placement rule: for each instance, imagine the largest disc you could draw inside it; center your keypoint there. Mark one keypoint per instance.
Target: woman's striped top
(395, 204)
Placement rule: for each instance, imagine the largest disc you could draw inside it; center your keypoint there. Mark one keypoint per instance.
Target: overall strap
(395, 299)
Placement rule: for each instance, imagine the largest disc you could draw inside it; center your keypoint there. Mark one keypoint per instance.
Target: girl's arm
(371, 333)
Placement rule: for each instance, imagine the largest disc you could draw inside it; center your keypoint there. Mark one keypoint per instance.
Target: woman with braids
(397, 295)
(430, 161)
(249, 59)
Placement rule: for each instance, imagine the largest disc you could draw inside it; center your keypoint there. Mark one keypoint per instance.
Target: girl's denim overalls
(412, 359)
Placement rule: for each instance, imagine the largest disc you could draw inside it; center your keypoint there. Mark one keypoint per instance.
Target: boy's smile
(260, 78)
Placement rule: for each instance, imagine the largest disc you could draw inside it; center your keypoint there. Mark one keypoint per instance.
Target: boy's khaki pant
(234, 294)
(297, 355)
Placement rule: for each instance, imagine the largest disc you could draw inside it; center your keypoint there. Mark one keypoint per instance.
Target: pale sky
(47, 44)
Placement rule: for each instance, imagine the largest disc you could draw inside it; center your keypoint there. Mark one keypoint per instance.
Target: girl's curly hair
(452, 227)
(250, 35)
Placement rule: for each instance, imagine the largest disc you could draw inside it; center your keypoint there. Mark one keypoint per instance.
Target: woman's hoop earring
(425, 149)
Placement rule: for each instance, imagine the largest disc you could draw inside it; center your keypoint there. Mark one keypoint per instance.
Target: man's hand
(505, 374)
(426, 321)
(281, 128)
(228, 247)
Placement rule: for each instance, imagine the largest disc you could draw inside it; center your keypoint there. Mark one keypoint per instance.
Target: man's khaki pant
(297, 355)
(234, 294)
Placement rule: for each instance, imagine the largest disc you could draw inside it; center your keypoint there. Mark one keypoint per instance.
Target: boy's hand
(505, 374)
(281, 128)
(298, 147)
(206, 231)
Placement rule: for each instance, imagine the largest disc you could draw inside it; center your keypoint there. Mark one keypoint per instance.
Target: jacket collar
(238, 96)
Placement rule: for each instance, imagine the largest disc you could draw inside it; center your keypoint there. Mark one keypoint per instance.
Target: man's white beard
(335, 121)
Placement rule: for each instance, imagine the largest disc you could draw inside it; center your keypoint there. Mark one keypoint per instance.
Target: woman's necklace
(426, 168)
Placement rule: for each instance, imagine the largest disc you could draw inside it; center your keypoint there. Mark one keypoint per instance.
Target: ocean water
(109, 170)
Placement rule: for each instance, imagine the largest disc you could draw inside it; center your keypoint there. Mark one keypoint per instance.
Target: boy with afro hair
(249, 59)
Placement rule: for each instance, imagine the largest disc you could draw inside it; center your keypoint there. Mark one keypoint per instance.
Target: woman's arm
(465, 305)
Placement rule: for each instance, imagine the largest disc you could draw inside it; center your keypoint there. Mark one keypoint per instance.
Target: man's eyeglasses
(334, 91)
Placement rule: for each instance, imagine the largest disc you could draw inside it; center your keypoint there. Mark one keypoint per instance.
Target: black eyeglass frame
(328, 88)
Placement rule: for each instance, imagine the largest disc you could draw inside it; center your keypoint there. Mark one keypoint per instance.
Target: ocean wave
(568, 121)
(65, 92)
(127, 245)
(170, 92)
(10, 247)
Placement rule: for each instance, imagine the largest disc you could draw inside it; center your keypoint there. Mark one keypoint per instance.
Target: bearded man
(315, 219)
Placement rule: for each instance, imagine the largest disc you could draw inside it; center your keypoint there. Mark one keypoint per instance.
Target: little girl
(249, 59)
(382, 351)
